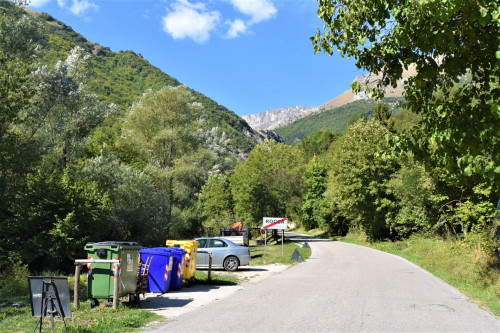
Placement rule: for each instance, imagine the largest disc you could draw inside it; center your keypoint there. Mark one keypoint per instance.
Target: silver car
(225, 254)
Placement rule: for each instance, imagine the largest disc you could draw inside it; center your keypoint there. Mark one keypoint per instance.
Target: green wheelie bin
(101, 277)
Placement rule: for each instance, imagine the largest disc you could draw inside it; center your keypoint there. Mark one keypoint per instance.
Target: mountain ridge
(122, 77)
(282, 117)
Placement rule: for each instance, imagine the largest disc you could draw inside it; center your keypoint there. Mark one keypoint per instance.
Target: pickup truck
(238, 237)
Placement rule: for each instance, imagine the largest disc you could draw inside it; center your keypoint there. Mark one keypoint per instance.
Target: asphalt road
(342, 287)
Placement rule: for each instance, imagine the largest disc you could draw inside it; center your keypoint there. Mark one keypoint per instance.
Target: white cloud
(188, 20)
(77, 7)
(258, 10)
(38, 3)
(236, 28)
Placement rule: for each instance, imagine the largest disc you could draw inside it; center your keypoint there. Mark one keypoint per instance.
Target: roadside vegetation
(15, 311)
(77, 168)
(272, 253)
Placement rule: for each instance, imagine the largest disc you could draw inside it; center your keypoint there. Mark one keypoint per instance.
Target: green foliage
(405, 121)
(359, 176)
(13, 277)
(382, 112)
(120, 78)
(460, 125)
(315, 186)
(268, 183)
(335, 120)
(138, 211)
(57, 216)
(273, 253)
(415, 201)
(161, 131)
(216, 202)
(355, 118)
(316, 143)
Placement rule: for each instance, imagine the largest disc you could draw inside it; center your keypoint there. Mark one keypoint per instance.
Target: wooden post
(117, 284)
(77, 284)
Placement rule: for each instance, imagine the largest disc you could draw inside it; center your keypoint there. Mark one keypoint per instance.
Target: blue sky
(248, 55)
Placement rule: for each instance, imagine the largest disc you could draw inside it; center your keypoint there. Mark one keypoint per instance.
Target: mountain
(271, 119)
(368, 80)
(334, 120)
(122, 77)
(285, 117)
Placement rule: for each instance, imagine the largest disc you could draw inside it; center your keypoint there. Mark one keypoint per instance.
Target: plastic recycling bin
(178, 269)
(160, 270)
(191, 247)
(101, 276)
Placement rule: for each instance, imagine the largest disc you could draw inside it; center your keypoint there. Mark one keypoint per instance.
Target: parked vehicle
(236, 234)
(225, 254)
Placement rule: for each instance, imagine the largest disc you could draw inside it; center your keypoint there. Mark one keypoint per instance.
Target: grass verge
(462, 266)
(201, 277)
(271, 254)
(126, 318)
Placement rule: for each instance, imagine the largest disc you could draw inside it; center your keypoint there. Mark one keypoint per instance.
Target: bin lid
(156, 250)
(112, 243)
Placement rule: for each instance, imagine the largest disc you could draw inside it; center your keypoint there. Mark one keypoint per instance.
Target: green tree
(462, 124)
(20, 37)
(161, 133)
(216, 203)
(382, 112)
(57, 216)
(315, 178)
(416, 203)
(359, 175)
(268, 183)
(316, 143)
(138, 208)
(68, 113)
(355, 118)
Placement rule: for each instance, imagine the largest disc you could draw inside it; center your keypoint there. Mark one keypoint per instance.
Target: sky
(248, 55)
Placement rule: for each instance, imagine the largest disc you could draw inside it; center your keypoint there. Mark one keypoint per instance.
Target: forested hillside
(335, 120)
(122, 77)
(97, 145)
(76, 168)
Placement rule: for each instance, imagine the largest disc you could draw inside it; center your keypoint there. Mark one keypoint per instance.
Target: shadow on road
(159, 302)
(304, 238)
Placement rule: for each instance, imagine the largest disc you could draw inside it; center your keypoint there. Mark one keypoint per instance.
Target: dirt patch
(176, 303)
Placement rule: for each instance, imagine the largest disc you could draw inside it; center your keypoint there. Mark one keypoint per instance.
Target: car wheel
(231, 263)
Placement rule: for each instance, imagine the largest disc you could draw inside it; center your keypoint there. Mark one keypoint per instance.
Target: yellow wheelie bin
(191, 248)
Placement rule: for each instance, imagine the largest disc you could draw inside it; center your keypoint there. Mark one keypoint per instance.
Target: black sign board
(49, 298)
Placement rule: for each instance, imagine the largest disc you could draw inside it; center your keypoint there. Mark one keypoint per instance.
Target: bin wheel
(193, 281)
(110, 301)
(188, 283)
(134, 298)
(93, 303)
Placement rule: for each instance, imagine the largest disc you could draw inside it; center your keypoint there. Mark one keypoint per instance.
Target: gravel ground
(175, 303)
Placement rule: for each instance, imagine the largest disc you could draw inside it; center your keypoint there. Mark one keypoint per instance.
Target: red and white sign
(275, 223)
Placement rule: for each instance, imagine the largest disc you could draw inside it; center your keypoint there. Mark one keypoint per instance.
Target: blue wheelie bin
(160, 271)
(178, 270)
